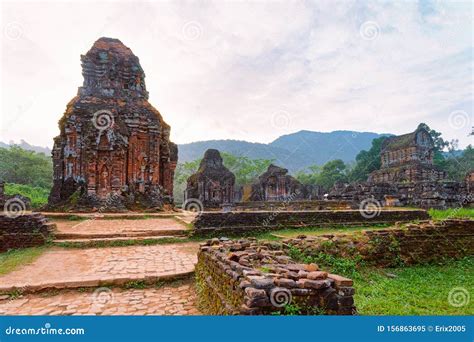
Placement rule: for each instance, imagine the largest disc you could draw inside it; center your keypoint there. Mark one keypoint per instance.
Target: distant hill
(24, 145)
(294, 151)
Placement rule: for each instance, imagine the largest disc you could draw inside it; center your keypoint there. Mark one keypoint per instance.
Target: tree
(20, 166)
(310, 176)
(331, 173)
(458, 166)
(439, 145)
(181, 175)
(246, 170)
(367, 161)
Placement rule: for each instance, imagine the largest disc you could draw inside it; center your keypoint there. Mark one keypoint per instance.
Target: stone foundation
(249, 278)
(293, 205)
(426, 194)
(414, 243)
(27, 230)
(252, 222)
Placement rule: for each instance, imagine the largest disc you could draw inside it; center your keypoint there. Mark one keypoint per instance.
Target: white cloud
(249, 62)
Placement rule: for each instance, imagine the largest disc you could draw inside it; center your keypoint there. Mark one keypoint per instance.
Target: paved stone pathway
(73, 268)
(118, 228)
(167, 300)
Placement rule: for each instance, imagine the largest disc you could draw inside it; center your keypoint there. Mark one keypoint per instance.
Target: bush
(37, 195)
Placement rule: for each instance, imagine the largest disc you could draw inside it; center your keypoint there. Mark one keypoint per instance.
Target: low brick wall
(293, 205)
(249, 278)
(414, 243)
(251, 222)
(27, 230)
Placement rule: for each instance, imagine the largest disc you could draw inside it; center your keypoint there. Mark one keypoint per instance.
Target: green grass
(415, 290)
(451, 213)
(15, 258)
(125, 243)
(314, 231)
(405, 290)
(37, 195)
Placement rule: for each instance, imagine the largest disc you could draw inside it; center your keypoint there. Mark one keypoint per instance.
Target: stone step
(94, 282)
(111, 240)
(127, 235)
(68, 268)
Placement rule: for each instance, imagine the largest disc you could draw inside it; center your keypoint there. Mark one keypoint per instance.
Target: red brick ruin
(113, 151)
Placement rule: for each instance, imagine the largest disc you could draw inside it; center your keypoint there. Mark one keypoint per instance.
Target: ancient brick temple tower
(213, 183)
(113, 150)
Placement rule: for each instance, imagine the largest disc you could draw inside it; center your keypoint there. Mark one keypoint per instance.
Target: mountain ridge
(295, 151)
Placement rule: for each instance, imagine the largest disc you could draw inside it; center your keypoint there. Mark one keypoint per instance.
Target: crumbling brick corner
(26, 230)
(246, 277)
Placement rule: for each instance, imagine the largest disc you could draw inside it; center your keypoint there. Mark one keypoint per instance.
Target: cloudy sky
(250, 70)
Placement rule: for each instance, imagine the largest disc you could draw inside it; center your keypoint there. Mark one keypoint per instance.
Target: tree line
(31, 174)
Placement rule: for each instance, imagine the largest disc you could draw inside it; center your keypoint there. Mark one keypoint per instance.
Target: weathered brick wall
(251, 222)
(27, 230)
(293, 205)
(249, 278)
(414, 243)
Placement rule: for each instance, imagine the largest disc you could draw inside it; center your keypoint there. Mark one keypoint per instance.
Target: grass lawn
(451, 213)
(416, 290)
(17, 257)
(405, 290)
(313, 231)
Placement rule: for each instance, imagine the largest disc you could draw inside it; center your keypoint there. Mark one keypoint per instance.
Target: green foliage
(367, 161)
(135, 284)
(347, 267)
(331, 173)
(37, 195)
(439, 143)
(181, 175)
(246, 170)
(414, 290)
(15, 258)
(26, 167)
(457, 167)
(311, 176)
(326, 176)
(124, 243)
(451, 213)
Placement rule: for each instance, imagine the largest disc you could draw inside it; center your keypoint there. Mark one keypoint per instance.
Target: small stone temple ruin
(276, 184)
(113, 150)
(407, 177)
(213, 184)
(407, 158)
